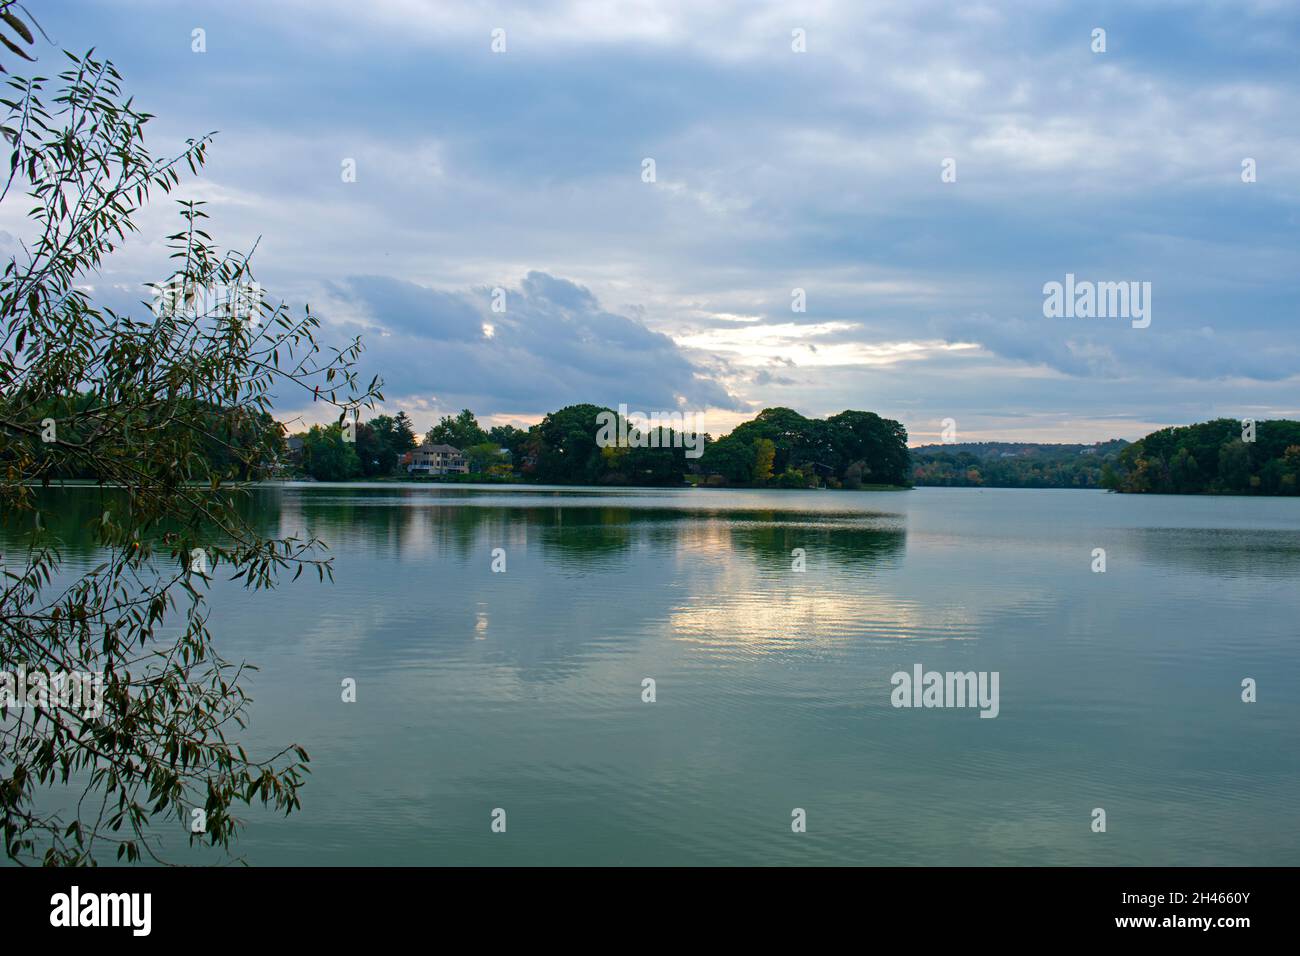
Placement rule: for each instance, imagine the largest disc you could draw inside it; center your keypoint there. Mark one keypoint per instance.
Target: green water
(522, 690)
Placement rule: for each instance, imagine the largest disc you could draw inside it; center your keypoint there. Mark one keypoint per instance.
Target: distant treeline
(1218, 457)
(997, 464)
(1214, 457)
(780, 448)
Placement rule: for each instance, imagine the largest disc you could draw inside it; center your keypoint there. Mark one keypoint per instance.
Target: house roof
(445, 449)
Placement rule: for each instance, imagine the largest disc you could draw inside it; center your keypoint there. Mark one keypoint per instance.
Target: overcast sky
(775, 170)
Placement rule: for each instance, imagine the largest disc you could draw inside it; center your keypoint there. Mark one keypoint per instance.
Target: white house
(437, 460)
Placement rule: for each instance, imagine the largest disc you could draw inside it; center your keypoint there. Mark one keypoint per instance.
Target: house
(437, 460)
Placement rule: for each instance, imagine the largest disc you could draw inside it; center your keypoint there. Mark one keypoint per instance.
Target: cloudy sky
(775, 170)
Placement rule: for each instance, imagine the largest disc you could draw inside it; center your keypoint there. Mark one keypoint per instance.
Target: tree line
(1223, 456)
(1013, 464)
(779, 448)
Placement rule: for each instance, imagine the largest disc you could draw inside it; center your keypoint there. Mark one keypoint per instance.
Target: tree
(403, 434)
(1110, 479)
(377, 442)
(1288, 482)
(665, 465)
(854, 474)
(1183, 471)
(794, 478)
(508, 437)
(730, 457)
(764, 456)
(327, 457)
(827, 447)
(483, 456)
(1234, 465)
(459, 432)
(788, 431)
(140, 401)
(878, 444)
(11, 23)
(566, 449)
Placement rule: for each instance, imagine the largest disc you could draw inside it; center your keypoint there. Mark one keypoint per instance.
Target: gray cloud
(552, 346)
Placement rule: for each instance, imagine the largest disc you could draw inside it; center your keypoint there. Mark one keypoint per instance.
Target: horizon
(486, 423)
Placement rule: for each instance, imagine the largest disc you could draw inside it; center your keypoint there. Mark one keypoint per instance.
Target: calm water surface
(522, 690)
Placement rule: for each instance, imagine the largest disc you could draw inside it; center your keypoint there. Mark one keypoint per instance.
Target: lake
(523, 689)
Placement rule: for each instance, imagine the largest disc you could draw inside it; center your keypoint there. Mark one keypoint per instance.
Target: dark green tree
(508, 437)
(327, 456)
(730, 457)
(459, 432)
(1211, 457)
(377, 446)
(403, 434)
(566, 449)
(877, 445)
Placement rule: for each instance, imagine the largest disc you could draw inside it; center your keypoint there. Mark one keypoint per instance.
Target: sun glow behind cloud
(818, 345)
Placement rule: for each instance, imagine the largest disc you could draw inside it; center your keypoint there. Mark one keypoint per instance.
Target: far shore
(525, 485)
